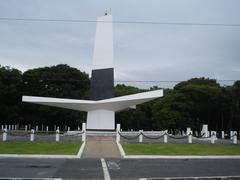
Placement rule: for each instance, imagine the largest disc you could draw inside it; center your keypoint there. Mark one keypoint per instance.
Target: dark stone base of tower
(102, 82)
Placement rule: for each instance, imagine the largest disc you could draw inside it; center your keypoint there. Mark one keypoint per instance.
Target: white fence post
(165, 137)
(223, 135)
(188, 130)
(32, 135)
(68, 129)
(26, 127)
(36, 128)
(84, 132)
(57, 135)
(235, 138)
(117, 133)
(140, 136)
(213, 137)
(190, 137)
(2, 127)
(5, 134)
(47, 128)
(231, 135)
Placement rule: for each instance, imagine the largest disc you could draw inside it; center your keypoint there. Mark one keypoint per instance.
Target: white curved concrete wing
(112, 104)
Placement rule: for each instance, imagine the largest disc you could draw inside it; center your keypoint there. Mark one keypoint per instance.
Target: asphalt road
(118, 168)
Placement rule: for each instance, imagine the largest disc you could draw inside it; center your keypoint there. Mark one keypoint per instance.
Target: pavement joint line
(105, 170)
(80, 152)
(178, 157)
(38, 156)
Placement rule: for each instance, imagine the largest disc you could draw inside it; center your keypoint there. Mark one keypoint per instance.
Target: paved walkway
(101, 147)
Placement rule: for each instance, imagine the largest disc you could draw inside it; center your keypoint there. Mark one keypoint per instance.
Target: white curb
(120, 148)
(79, 155)
(37, 156)
(178, 157)
(123, 154)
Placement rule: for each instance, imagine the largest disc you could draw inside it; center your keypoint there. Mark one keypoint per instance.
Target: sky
(141, 52)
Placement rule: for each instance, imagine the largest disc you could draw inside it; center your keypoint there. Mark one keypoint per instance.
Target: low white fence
(158, 135)
(33, 133)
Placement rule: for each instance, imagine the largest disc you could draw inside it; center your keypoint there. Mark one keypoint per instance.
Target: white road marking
(105, 170)
(113, 165)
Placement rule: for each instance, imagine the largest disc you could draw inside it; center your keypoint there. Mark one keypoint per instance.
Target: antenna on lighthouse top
(108, 12)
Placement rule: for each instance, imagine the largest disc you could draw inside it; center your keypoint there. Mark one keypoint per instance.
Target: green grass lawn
(38, 148)
(184, 149)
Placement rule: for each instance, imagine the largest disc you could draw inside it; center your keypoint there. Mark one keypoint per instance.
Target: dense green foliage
(56, 81)
(190, 104)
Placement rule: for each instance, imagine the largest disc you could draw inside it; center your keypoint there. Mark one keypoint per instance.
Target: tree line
(189, 104)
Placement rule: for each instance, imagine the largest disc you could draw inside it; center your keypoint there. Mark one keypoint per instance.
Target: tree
(205, 96)
(10, 97)
(172, 111)
(59, 81)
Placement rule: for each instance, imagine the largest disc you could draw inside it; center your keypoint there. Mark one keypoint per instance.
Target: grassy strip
(39, 148)
(183, 149)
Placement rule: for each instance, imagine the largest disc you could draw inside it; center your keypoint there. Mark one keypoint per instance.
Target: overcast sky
(141, 52)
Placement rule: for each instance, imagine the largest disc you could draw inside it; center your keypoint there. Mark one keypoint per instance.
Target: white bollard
(58, 128)
(15, 128)
(12, 127)
(68, 129)
(36, 128)
(235, 138)
(204, 131)
(84, 132)
(183, 133)
(188, 130)
(57, 135)
(231, 135)
(190, 137)
(26, 127)
(9, 127)
(2, 128)
(223, 135)
(117, 133)
(78, 128)
(5, 135)
(47, 128)
(165, 137)
(213, 137)
(32, 135)
(140, 136)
